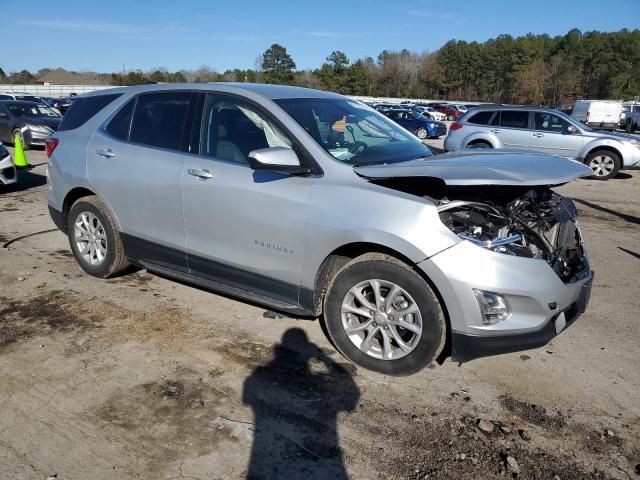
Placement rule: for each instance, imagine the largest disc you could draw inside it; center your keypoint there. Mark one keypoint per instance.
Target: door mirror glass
(277, 159)
(571, 129)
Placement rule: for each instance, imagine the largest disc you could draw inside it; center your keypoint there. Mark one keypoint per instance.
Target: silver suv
(545, 131)
(316, 205)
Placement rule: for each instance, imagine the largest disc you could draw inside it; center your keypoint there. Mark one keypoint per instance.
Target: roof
(17, 102)
(269, 91)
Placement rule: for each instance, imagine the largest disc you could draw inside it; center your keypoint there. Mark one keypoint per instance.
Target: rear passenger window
(119, 125)
(82, 109)
(514, 119)
(159, 119)
(481, 118)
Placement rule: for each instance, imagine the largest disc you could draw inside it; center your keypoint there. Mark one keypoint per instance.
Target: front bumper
(8, 173)
(437, 130)
(535, 294)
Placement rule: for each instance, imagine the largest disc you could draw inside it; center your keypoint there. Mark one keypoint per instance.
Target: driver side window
(231, 128)
(549, 122)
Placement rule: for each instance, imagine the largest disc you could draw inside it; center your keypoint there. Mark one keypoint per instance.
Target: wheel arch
(340, 256)
(591, 149)
(76, 194)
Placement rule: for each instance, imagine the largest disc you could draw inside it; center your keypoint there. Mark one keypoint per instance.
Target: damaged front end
(527, 222)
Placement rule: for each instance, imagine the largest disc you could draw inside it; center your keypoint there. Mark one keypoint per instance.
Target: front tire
(604, 163)
(421, 133)
(94, 238)
(383, 316)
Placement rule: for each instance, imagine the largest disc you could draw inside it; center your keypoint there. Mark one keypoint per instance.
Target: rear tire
(367, 328)
(94, 238)
(604, 163)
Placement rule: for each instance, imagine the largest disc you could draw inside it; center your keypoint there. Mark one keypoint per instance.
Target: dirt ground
(140, 377)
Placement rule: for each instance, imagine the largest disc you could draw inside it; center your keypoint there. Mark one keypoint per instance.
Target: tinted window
(514, 119)
(232, 128)
(119, 125)
(352, 132)
(481, 118)
(83, 109)
(160, 118)
(5, 97)
(549, 122)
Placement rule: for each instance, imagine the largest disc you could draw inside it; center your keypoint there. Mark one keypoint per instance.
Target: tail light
(455, 126)
(50, 146)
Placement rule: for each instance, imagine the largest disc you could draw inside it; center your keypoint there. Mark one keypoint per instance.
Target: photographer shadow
(296, 399)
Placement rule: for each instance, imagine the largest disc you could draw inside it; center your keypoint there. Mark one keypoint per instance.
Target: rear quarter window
(159, 119)
(481, 118)
(83, 109)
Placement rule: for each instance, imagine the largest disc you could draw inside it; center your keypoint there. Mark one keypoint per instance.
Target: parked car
(601, 114)
(24, 97)
(418, 124)
(7, 169)
(630, 118)
(263, 192)
(448, 110)
(432, 113)
(59, 104)
(545, 131)
(461, 108)
(32, 122)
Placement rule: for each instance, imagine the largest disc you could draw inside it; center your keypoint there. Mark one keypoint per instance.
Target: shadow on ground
(295, 400)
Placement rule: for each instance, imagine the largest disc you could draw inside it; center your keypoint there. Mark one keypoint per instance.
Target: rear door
(135, 164)
(244, 228)
(550, 135)
(512, 129)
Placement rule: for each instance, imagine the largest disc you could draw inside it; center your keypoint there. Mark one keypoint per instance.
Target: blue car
(418, 124)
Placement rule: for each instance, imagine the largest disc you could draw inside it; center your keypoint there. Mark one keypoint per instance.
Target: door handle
(494, 130)
(105, 152)
(201, 173)
(539, 135)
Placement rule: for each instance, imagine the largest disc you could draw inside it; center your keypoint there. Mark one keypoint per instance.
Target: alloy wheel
(602, 165)
(381, 319)
(90, 238)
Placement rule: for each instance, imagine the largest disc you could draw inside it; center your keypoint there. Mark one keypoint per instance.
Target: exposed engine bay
(532, 222)
(537, 223)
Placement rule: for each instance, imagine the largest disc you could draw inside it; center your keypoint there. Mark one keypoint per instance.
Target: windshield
(420, 116)
(31, 110)
(353, 132)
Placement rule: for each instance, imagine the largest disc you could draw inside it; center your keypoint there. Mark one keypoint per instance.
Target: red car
(449, 111)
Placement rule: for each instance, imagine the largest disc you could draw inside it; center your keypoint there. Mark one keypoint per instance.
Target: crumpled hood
(473, 167)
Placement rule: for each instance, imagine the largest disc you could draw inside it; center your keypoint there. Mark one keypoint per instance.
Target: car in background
(33, 122)
(60, 104)
(430, 112)
(7, 169)
(545, 131)
(461, 108)
(418, 124)
(24, 97)
(630, 118)
(601, 114)
(448, 110)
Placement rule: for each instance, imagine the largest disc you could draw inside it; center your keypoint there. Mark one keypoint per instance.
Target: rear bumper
(467, 347)
(58, 218)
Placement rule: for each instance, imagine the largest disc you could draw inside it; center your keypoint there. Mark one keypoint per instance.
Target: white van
(603, 114)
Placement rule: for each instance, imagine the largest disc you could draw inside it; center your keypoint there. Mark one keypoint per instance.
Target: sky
(110, 35)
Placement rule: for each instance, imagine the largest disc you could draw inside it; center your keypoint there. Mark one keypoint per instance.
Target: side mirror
(277, 159)
(571, 129)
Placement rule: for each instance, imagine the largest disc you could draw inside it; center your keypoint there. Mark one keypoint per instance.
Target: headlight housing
(39, 128)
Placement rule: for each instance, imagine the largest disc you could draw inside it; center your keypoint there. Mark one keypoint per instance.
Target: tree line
(531, 69)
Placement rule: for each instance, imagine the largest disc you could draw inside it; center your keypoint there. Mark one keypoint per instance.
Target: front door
(136, 166)
(244, 228)
(550, 135)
